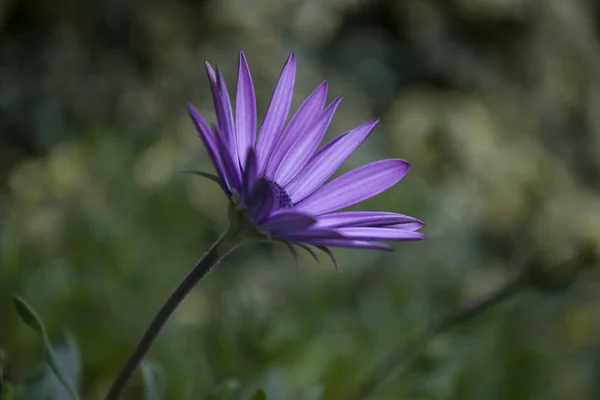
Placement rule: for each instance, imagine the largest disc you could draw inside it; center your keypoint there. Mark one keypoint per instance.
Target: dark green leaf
(30, 317)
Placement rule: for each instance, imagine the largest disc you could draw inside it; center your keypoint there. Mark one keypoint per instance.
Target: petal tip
(243, 63)
(402, 165)
(290, 62)
(212, 77)
(191, 108)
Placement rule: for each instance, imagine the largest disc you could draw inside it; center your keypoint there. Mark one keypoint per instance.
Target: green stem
(223, 246)
(402, 358)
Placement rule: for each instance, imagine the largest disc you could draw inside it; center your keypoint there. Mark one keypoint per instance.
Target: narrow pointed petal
(261, 201)
(349, 243)
(355, 186)
(212, 75)
(303, 235)
(245, 111)
(250, 175)
(304, 146)
(224, 110)
(276, 113)
(308, 112)
(410, 226)
(378, 233)
(327, 160)
(288, 221)
(230, 167)
(210, 143)
(364, 218)
(224, 115)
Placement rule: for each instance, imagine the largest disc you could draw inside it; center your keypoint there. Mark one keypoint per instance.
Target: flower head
(278, 175)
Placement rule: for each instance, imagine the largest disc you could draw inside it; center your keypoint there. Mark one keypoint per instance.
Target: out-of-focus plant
(494, 102)
(61, 379)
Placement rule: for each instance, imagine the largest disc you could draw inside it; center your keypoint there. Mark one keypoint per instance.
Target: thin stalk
(223, 246)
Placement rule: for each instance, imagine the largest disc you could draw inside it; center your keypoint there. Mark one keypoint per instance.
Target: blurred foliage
(494, 102)
(60, 381)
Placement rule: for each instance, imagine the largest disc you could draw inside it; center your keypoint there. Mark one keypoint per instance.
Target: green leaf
(30, 317)
(259, 395)
(44, 385)
(68, 357)
(154, 381)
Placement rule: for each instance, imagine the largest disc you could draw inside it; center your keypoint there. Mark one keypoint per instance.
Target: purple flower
(277, 176)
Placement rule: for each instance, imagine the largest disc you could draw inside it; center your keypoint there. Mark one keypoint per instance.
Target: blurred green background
(496, 103)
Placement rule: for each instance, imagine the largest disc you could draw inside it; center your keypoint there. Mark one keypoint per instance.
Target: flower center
(282, 198)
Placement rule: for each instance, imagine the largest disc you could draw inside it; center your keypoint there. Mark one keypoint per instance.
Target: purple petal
(306, 114)
(377, 233)
(327, 160)
(230, 165)
(355, 244)
(409, 226)
(261, 200)
(354, 186)
(212, 76)
(224, 110)
(288, 221)
(210, 143)
(364, 218)
(245, 109)
(224, 115)
(276, 113)
(250, 175)
(304, 146)
(302, 235)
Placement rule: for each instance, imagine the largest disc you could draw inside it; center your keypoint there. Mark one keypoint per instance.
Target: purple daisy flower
(276, 185)
(277, 176)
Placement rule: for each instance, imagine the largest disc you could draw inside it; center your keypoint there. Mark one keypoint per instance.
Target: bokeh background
(496, 103)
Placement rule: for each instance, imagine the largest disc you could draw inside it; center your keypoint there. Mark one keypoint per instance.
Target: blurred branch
(546, 275)
(402, 358)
